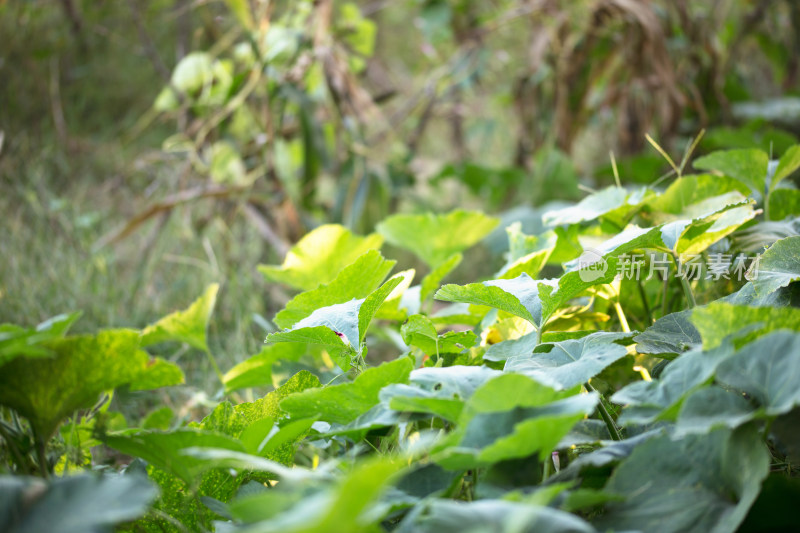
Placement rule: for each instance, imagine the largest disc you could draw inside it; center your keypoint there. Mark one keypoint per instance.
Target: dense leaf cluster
(578, 402)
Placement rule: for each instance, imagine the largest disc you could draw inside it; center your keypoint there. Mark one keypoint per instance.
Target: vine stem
(646, 305)
(214, 364)
(623, 321)
(687, 289)
(41, 454)
(547, 469)
(612, 427)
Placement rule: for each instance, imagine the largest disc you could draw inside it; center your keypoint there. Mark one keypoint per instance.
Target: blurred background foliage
(150, 147)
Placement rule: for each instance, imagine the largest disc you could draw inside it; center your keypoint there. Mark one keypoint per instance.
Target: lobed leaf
(436, 238)
(319, 257)
(564, 364)
(355, 281)
(187, 326)
(778, 267)
(748, 166)
(343, 403)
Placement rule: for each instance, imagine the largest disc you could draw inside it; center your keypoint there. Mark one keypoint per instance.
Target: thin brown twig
(168, 203)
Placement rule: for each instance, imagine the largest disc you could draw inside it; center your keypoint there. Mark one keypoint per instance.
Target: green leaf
(248, 421)
(160, 418)
(286, 435)
(701, 234)
(193, 72)
(395, 306)
(562, 365)
(17, 341)
(47, 390)
(74, 504)
(672, 334)
(696, 196)
(747, 296)
(164, 450)
(520, 347)
(343, 403)
(373, 302)
(698, 483)
(349, 509)
(360, 34)
(533, 300)
(232, 420)
(158, 373)
(255, 435)
(508, 391)
(512, 416)
(433, 280)
(527, 253)
(788, 163)
(187, 326)
(784, 203)
(340, 328)
(591, 207)
(518, 296)
(343, 506)
(221, 429)
(712, 408)
(353, 282)
(208, 457)
(438, 391)
(321, 335)
(646, 401)
(419, 331)
(778, 266)
(767, 370)
(448, 516)
(319, 257)
(718, 320)
(600, 461)
(746, 165)
(257, 370)
(436, 238)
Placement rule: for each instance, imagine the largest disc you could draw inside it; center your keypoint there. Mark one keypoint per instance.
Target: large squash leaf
(749, 166)
(718, 320)
(512, 416)
(778, 267)
(46, 390)
(343, 403)
(440, 391)
(77, 504)
(436, 238)
(353, 282)
(564, 364)
(319, 256)
(698, 483)
(340, 328)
